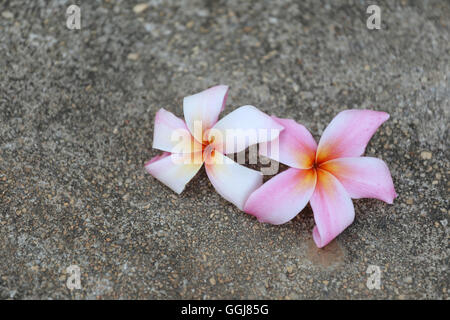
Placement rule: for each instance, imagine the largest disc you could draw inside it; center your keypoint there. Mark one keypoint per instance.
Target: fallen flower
(327, 175)
(204, 140)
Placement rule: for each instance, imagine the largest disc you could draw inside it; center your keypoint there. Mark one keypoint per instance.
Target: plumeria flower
(204, 139)
(327, 175)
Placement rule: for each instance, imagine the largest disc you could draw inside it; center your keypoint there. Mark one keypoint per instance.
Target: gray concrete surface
(76, 114)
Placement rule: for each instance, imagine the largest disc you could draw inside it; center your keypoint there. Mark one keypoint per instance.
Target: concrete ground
(76, 114)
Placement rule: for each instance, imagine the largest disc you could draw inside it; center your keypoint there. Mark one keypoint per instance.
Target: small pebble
(139, 8)
(426, 155)
(133, 56)
(408, 280)
(7, 15)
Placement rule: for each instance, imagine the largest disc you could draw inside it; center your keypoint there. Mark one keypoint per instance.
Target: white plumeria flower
(204, 139)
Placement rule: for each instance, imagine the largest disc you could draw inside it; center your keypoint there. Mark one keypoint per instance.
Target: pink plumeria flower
(327, 175)
(206, 141)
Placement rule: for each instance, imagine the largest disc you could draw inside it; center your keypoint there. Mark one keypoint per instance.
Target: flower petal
(231, 180)
(202, 109)
(332, 206)
(170, 170)
(172, 135)
(348, 133)
(281, 198)
(296, 145)
(243, 127)
(363, 177)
